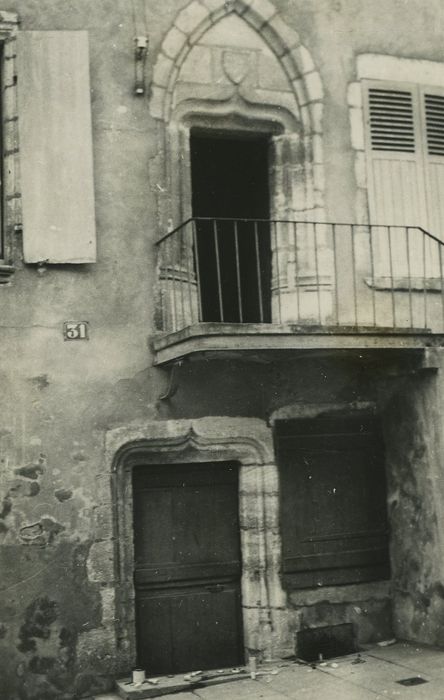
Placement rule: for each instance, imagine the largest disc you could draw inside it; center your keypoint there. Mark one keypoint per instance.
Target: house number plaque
(75, 330)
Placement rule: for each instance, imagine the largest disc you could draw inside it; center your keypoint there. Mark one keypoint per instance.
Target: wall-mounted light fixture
(141, 52)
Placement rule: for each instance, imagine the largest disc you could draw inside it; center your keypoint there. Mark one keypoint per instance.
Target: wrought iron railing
(304, 273)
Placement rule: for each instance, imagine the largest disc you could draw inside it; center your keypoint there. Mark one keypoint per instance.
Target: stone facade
(74, 413)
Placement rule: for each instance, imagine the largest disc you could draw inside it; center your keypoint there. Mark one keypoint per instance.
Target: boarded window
(56, 147)
(333, 501)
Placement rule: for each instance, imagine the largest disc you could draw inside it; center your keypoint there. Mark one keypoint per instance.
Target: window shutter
(433, 116)
(55, 144)
(434, 112)
(394, 156)
(333, 501)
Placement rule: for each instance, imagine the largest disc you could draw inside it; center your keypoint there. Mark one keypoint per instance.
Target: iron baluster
(196, 257)
(189, 252)
(318, 281)
(258, 272)
(296, 265)
(219, 282)
(278, 274)
(424, 279)
(409, 273)
(238, 275)
(355, 293)
(372, 267)
(389, 233)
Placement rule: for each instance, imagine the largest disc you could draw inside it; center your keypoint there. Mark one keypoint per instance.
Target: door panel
(199, 625)
(187, 567)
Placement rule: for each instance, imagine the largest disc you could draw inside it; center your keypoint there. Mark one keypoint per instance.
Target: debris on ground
(386, 643)
(358, 660)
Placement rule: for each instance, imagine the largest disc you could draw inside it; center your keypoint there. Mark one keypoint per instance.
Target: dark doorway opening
(187, 567)
(319, 643)
(229, 176)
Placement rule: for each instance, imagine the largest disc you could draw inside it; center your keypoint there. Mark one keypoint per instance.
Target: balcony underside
(265, 340)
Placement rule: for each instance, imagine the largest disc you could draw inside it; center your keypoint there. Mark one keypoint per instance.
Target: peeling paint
(40, 533)
(63, 494)
(6, 508)
(79, 456)
(30, 471)
(41, 381)
(39, 617)
(24, 488)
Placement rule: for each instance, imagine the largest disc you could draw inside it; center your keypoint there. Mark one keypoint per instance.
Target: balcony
(232, 285)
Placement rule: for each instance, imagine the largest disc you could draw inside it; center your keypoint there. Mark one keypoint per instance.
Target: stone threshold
(165, 685)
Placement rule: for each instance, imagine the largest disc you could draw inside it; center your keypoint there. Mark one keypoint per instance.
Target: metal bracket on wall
(432, 359)
(173, 383)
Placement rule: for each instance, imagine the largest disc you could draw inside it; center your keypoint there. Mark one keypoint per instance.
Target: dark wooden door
(333, 501)
(187, 567)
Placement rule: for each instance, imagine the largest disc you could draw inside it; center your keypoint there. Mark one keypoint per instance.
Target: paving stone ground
(373, 679)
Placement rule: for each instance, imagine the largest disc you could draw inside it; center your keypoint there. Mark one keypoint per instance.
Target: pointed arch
(199, 16)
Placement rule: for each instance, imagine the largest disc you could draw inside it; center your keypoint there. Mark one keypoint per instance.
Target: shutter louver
(55, 141)
(391, 120)
(434, 111)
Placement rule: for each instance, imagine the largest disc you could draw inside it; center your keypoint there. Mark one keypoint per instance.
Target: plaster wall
(58, 399)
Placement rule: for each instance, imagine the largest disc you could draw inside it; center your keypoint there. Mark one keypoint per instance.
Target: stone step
(155, 687)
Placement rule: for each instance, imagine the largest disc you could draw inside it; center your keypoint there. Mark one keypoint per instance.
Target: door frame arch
(247, 441)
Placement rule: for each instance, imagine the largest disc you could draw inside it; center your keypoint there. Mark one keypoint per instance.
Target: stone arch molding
(246, 440)
(200, 16)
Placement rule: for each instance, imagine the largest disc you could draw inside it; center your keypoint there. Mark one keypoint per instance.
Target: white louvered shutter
(405, 157)
(433, 118)
(395, 158)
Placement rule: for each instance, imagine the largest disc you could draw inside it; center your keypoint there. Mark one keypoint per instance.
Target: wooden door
(333, 501)
(187, 567)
